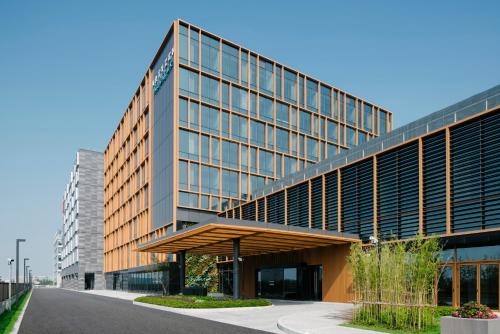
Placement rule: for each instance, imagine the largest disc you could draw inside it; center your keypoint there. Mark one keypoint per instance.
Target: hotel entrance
(298, 282)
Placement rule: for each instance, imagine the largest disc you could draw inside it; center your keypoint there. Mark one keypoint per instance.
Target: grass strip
(8, 318)
(197, 302)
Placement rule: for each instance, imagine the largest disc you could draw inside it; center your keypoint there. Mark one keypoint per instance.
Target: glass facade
(285, 121)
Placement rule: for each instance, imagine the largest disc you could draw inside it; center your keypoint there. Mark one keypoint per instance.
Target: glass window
(253, 104)
(215, 205)
(194, 114)
(265, 163)
(350, 137)
(301, 146)
(312, 149)
(301, 90)
(468, 283)
(305, 122)
(240, 100)
(326, 101)
(253, 160)
(229, 62)
(294, 143)
(361, 138)
(244, 68)
(183, 175)
(282, 116)
(265, 77)
(225, 95)
(331, 131)
(315, 125)
(205, 148)
(270, 137)
(188, 144)
(278, 165)
(282, 140)
(265, 109)
(188, 83)
(244, 185)
(257, 133)
(183, 112)
(290, 165)
(215, 151)
(253, 71)
(350, 111)
(484, 253)
(210, 119)
(331, 150)
(445, 287)
(193, 176)
(322, 128)
(210, 54)
(194, 48)
(204, 202)
(278, 81)
(210, 180)
(244, 157)
(183, 198)
(489, 285)
(225, 124)
(183, 44)
(209, 90)
(230, 183)
(290, 87)
(341, 139)
(335, 108)
(229, 154)
(341, 108)
(383, 122)
(293, 118)
(239, 128)
(256, 182)
(312, 95)
(367, 117)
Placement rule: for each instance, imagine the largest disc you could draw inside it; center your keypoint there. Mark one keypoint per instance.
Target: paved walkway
(292, 317)
(55, 311)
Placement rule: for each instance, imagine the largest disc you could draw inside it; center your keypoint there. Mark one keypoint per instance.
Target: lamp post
(17, 258)
(27, 275)
(24, 272)
(9, 262)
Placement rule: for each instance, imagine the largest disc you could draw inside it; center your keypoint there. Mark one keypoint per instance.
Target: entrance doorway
(89, 281)
(296, 282)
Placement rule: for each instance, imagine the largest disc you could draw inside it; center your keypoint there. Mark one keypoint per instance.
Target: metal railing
(16, 289)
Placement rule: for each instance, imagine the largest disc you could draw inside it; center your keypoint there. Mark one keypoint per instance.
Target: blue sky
(68, 69)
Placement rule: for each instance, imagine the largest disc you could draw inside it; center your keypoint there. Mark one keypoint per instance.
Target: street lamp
(17, 258)
(24, 272)
(9, 262)
(28, 280)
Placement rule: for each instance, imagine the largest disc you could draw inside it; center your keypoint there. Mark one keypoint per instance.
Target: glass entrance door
(300, 282)
(445, 286)
(489, 285)
(468, 283)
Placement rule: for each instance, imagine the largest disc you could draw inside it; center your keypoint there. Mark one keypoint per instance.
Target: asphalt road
(57, 311)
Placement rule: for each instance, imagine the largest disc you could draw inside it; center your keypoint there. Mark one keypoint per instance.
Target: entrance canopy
(215, 237)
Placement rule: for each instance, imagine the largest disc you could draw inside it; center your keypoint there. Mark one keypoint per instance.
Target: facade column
(182, 270)
(236, 268)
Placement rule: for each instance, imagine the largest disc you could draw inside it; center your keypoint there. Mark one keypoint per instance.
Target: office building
(82, 231)
(438, 176)
(210, 123)
(57, 258)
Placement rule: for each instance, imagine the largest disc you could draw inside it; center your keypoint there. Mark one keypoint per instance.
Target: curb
(15, 329)
(286, 329)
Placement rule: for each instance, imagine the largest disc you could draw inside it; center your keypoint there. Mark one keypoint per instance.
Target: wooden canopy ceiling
(216, 238)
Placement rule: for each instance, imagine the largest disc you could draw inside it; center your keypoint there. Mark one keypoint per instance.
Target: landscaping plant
(393, 283)
(474, 310)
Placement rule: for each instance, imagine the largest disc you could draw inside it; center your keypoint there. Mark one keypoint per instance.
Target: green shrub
(201, 301)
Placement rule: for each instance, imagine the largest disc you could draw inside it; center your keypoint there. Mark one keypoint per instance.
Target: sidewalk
(114, 294)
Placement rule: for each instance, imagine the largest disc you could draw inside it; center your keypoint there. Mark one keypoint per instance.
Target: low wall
(4, 305)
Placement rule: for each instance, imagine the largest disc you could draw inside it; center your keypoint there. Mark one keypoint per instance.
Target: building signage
(164, 71)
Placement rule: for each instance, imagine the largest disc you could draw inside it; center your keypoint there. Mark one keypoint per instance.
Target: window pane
(270, 137)
(312, 95)
(209, 90)
(183, 112)
(257, 134)
(350, 111)
(266, 163)
(210, 119)
(367, 118)
(193, 176)
(253, 72)
(194, 48)
(265, 109)
(290, 86)
(240, 100)
(383, 122)
(230, 62)
(244, 68)
(445, 287)
(312, 149)
(305, 122)
(210, 54)
(188, 83)
(215, 151)
(489, 285)
(282, 116)
(326, 101)
(194, 114)
(225, 95)
(183, 44)
(282, 140)
(205, 153)
(350, 137)
(225, 124)
(183, 175)
(266, 77)
(278, 81)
